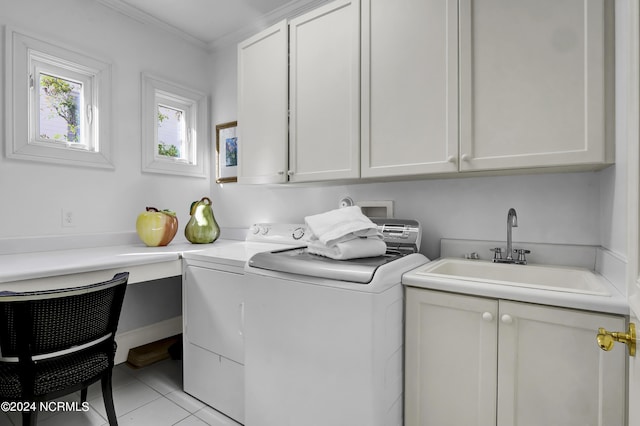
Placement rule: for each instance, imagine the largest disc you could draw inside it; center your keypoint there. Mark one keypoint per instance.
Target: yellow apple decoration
(156, 228)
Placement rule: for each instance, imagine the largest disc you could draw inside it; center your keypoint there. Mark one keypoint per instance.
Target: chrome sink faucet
(512, 222)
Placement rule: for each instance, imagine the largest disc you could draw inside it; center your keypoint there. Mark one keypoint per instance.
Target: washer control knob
(264, 230)
(298, 233)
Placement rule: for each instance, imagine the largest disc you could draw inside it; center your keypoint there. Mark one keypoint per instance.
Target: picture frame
(227, 152)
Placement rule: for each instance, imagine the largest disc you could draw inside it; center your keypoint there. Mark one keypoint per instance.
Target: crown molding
(287, 11)
(144, 18)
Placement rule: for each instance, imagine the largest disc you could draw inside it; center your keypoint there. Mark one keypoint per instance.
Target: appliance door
(300, 261)
(318, 355)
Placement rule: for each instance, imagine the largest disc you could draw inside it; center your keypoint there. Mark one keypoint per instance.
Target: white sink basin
(554, 278)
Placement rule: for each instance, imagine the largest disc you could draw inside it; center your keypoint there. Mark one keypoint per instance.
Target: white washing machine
(324, 338)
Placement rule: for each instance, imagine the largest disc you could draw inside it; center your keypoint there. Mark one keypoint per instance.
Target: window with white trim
(58, 104)
(173, 128)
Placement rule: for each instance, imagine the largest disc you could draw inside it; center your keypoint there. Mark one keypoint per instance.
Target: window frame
(27, 57)
(157, 91)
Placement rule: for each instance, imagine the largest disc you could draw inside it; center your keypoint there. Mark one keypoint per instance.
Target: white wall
(33, 194)
(613, 190)
(103, 201)
(568, 208)
(580, 208)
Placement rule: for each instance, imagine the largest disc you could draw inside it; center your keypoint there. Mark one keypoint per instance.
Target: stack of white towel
(344, 234)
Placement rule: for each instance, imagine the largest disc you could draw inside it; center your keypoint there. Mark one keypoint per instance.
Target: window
(173, 128)
(59, 110)
(65, 97)
(172, 133)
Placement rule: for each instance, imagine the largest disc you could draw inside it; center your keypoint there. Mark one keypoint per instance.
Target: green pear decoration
(202, 227)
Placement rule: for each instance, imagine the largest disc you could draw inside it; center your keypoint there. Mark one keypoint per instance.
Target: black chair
(56, 342)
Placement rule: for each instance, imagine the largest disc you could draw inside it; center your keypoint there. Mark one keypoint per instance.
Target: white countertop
(614, 303)
(56, 268)
(24, 266)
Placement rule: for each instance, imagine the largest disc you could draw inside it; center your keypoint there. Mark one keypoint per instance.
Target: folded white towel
(352, 249)
(341, 225)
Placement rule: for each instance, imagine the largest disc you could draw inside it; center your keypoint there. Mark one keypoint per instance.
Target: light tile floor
(148, 396)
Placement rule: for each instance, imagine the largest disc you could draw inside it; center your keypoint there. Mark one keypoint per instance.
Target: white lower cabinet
(479, 361)
(213, 310)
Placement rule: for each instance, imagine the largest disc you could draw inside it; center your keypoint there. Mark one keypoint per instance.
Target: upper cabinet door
(534, 83)
(262, 106)
(409, 87)
(324, 95)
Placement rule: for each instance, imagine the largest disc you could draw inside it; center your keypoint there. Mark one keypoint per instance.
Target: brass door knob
(606, 339)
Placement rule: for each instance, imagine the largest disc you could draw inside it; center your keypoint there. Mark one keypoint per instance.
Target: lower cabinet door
(552, 372)
(476, 361)
(451, 351)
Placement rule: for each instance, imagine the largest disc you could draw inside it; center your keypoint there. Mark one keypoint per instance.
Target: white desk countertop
(64, 268)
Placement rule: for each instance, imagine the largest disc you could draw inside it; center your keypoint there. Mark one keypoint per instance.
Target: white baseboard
(142, 336)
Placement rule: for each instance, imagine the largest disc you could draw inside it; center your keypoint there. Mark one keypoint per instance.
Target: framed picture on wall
(227, 152)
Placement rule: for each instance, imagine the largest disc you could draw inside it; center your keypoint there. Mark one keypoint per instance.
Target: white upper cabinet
(262, 106)
(409, 87)
(454, 86)
(324, 91)
(385, 88)
(534, 83)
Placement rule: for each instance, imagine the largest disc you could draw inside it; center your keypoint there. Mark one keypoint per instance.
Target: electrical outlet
(68, 218)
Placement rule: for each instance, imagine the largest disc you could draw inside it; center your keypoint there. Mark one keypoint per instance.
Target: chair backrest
(38, 323)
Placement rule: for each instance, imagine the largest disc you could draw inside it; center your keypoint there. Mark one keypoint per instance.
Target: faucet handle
(522, 255)
(497, 253)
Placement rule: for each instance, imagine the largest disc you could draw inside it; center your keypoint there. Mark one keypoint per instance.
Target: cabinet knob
(465, 157)
(280, 172)
(506, 318)
(487, 316)
(452, 159)
(290, 172)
